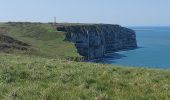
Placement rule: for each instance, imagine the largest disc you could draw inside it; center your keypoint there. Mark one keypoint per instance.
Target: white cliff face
(94, 41)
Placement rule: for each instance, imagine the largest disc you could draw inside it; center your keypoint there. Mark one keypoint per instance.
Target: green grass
(46, 74)
(44, 38)
(31, 77)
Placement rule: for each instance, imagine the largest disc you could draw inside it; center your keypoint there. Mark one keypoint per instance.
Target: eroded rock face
(94, 41)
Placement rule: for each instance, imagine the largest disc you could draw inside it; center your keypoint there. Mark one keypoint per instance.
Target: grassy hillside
(45, 74)
(46, 41)
(33, 78)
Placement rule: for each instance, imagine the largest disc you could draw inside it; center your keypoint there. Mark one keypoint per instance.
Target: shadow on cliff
(109, 59)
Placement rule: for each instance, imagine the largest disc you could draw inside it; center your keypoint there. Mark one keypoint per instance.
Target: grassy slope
(32, 77)
(44, 38)
(44, 75)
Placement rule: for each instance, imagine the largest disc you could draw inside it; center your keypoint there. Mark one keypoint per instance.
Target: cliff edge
(93, 41)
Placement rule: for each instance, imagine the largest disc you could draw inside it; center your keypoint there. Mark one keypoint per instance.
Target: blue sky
(123, 12)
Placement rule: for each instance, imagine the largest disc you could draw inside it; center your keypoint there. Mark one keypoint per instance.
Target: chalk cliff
(95, 40)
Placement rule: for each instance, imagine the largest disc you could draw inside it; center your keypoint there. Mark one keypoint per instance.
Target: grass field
(31, 77)
(46, 74)
(43, 37)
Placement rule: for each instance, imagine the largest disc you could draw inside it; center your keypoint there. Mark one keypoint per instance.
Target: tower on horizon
(54, 21)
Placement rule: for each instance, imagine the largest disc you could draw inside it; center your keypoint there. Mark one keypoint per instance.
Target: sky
(123, 12)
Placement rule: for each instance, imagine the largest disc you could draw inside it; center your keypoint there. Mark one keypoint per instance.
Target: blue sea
(153, 51)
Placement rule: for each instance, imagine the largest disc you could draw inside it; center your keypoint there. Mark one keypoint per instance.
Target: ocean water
(153, 51)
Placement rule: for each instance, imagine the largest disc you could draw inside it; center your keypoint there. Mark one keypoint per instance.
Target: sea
(153, 49)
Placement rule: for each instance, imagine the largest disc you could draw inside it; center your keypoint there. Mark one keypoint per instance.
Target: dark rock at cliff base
(94, 41)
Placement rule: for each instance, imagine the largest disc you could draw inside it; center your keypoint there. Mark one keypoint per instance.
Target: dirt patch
(3, 30)
(8, 43)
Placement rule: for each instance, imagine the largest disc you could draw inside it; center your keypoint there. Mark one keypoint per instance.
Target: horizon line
(85, 23)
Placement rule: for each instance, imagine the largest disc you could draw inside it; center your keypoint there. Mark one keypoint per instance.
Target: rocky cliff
(94, 41)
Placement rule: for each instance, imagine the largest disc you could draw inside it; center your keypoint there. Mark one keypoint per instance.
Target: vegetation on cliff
(46, 41)
(47, 74)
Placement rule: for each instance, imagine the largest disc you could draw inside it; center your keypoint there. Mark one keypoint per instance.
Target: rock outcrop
(94, 41)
